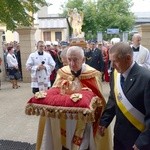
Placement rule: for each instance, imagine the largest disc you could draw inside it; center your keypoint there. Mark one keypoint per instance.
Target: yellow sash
(135, 121)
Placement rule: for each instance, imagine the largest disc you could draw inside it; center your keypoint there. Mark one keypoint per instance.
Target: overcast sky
(139, 6)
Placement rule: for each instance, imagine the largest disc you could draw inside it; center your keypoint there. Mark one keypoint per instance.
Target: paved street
(14, 124)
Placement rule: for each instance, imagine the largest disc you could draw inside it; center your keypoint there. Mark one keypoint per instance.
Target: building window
(47, 36)
(58, 36)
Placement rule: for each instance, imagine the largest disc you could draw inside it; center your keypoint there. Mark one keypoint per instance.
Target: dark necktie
(40, 53)
(92, 49)
(13, 56)
(76, 74)
(135, 49)
(122, 79)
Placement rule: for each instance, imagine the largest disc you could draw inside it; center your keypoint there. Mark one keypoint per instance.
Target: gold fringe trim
(77, 113)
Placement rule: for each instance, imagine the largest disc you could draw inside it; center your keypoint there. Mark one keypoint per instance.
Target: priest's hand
(41, 67)
(102, 130)
(135, 147)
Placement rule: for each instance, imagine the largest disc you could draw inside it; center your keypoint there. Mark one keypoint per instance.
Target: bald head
(136, 39)
(75, 57)
(137, 35)
(75, 50)
(63, 56)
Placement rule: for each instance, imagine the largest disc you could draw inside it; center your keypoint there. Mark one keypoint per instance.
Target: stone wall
(27, 46)
(2, 74)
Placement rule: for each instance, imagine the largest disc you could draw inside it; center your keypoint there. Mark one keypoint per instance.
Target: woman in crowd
(12, 67)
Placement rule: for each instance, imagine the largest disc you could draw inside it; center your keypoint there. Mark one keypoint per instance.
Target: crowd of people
(128, 99)
(96, 55)
(126, 66)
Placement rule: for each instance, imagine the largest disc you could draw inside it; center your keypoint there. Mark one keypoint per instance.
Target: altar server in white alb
(140, 53)
(41, 65)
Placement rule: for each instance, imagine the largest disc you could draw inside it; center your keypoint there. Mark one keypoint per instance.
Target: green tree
(72, 4)
(90, 20)
(116, 14)
(103, 14)
(15, 13)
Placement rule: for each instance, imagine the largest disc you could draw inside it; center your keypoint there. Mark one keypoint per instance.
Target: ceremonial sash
(63, 131)
(130, 112)
(77, 135)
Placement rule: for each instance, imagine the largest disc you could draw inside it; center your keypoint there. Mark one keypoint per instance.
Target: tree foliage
(115, 14)
(72, 4)
(90, 19)
(103, 14)
(15, 13)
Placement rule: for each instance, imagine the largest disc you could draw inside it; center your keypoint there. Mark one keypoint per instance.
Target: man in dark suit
(129, 101)
(94, 57)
